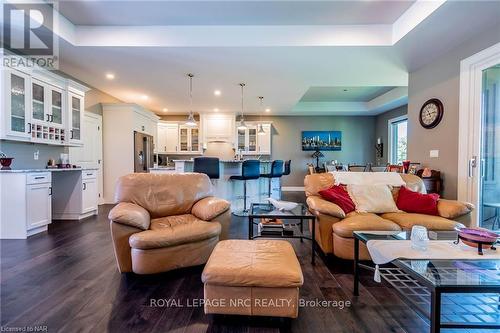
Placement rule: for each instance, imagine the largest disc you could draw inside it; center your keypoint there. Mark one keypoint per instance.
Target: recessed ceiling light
(268, 110)
(217, 92)
(165, 110)
(110, 76)
(144, 97)
(216, 110)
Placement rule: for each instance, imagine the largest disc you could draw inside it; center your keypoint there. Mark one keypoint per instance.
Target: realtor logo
(28, 34)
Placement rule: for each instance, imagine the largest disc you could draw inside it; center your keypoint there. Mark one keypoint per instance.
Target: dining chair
(395, 168)
(357, 168)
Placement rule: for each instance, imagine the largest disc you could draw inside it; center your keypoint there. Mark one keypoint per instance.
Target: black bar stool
(250, 169)
(208, 166)
(275, 172)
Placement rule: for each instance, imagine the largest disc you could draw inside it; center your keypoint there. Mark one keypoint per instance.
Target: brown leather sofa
(334, 229)
(166, 221)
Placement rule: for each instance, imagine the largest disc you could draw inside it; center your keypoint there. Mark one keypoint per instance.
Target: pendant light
(260, 130)
(190, 121)
(242, 125)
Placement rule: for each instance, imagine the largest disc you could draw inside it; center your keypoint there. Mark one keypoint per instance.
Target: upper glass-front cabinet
(189, 138)
(76, 112)
(38, 102)
(40, 107)
(16, 104)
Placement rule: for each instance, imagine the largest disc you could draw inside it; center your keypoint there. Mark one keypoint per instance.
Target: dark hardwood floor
(67, 280)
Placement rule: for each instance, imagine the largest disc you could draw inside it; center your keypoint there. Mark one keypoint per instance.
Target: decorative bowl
(477, 237)
(6, 161)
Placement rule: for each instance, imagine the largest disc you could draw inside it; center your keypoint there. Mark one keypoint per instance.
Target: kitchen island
(257, 190)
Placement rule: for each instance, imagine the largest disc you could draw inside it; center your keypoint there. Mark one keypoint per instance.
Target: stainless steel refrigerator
(143, 152)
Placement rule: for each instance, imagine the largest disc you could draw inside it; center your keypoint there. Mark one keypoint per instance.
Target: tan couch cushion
(362, 222)
(317, 182)
(210, 207)
(372, 198)
(321, 205)
(130, 214)
(408, 220)
(174, 230)
(258, 263)
(452, 209)
(163, 194)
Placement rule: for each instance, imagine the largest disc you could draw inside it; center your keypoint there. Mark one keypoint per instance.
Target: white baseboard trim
(292, 188)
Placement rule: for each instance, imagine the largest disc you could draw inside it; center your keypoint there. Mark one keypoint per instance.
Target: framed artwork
(322, 140)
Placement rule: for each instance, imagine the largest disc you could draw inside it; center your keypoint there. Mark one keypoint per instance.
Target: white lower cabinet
(38, 203)
(75, 195)
(90, 195)
(25, 204)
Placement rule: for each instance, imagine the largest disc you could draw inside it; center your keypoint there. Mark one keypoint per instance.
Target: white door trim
(469, 137)
(390, 135)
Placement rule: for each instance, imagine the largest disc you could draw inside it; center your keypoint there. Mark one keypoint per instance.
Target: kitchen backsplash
(23, 154)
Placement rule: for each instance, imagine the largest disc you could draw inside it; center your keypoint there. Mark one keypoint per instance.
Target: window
(398, 139)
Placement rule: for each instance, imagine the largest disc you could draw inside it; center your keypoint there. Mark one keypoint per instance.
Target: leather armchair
(166, 221)
(334, 228)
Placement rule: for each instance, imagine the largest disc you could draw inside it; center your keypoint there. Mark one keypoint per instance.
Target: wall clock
(431, 113)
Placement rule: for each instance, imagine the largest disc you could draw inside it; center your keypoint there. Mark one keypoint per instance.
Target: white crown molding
(247, 36)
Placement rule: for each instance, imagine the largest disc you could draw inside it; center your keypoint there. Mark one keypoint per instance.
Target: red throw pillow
(339, 196)
(415, 202)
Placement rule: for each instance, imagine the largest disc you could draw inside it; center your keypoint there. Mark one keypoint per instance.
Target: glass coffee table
(300, 213)
(426, 281)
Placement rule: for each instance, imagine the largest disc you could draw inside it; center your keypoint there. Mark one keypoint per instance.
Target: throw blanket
(367, 178)
(384, 251)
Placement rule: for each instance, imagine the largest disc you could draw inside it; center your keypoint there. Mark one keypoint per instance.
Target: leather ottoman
(253, 278)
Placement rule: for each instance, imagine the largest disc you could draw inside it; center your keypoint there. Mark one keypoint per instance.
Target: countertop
(225, 161)
(44, 170)
(163, 168)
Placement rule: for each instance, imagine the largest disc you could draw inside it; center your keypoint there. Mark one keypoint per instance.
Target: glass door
(56, 116)
(184, 139)
(76, 120)
(252, 139)
(38, 99)
(194, 140)
(489, 193)
(242, 140)
(18, 105)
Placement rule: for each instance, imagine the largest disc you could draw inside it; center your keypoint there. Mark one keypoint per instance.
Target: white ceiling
(280, 54)
(343, 94)
(147, 13)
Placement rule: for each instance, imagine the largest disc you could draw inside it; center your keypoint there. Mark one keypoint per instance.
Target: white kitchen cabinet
(90, 193)
(15, 94)
(264, 140)
(247, 140)
(47, 112)
(217, 127)
(25, 199)
(168, 137)
(75, 194)
(38, 203)
(76, 104)
(189, 139)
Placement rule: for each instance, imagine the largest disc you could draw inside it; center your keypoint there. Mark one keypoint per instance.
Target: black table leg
(356, 267)
(250, 227)
(435, 311)
(313, 240)
(301, 230)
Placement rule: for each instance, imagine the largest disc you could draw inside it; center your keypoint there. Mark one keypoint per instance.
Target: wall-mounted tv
(322, 140)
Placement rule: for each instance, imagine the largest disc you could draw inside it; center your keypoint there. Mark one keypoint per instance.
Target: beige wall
(358, 140)
(382, 129)
(441, 79)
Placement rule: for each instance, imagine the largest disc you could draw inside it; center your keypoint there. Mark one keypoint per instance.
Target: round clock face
(431, 113)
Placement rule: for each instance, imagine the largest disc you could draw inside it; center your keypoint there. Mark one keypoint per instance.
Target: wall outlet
(36, 154)
(434, 153)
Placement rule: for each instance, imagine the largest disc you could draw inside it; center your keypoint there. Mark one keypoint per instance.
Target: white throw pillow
(372, 198)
